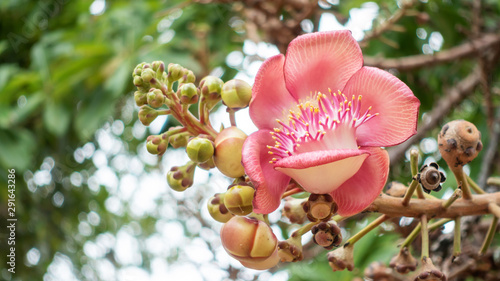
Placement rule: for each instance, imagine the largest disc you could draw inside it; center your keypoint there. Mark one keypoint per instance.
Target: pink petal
(322, 172)
(321, 60)
(361, 190)
(392, 99)
(270, 98)
(269, 183)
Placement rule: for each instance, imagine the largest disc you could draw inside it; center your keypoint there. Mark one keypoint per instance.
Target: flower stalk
(425, 237)
(474, 186)
(489, 236)
(457, 194)
(414, 184)
(457, 248)
(355, 238)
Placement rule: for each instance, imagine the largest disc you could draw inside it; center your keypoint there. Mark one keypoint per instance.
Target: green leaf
(17, 149)
(56, 118)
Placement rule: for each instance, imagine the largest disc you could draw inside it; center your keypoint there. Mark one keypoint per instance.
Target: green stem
(367, 229)
(493, 181)
(474, 186)
(489, 236)
(425, 237)
(453, 198)
(457, 249)
(232, 117)
(461, 178)
(164, 112)
(416, 231)
(339, 218)
(409, 192)
(304, 229)
(414, 171)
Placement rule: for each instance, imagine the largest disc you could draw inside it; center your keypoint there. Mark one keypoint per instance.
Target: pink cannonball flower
(322, 118)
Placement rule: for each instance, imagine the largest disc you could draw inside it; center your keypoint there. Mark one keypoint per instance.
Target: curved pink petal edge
(318, 61)
(270, 98)
(269, 184)
(392, 99)
(358, 192)
(316, 158)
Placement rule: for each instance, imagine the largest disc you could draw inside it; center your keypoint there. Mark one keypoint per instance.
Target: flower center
(327, 123)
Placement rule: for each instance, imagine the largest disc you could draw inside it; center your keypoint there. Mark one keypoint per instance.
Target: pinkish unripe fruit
(236, 94)
(238, 199)
(200, 150)
(250, 241)
(228, 145)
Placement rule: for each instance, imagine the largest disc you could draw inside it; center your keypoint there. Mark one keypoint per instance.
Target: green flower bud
(141, 98)
(210, 164)
(138, 69)
(228, 145)
(147, 115)
(178, 140)
(236, 94)
(157, 144)
(200, 150)
(138, 81)
(188, 93)
(180, 178)
(156, 98)
(238, 199)
(217, 209)
(147, 75)
(175, 72)
(211, 87)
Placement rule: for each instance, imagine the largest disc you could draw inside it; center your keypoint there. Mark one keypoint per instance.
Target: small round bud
(396, 189)
(138, 81)
(238, 199)
(140, 98)
(200, 150)
(147, 115)
(228, 145)
(188, 93)
(236, 94)
(156, 98)
(320, 207)
(147, 75)
(428, 272)
(430, 177)
(158, 66)
(178, 140)
(138, 69)
(210, 164)
(459, 143)
(341, 258)
(294, 210)
(181, 178)
(404, 262)
(188, 77)
(217, 209)
(250, 241)
(291, 249)
(175, 72)
(327, 235)
(211, 87)
(157, 144)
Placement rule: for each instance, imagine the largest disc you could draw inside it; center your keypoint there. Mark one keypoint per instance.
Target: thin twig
(409, 63)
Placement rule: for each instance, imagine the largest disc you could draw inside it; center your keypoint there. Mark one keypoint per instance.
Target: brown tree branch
(392, 206)
(468, 49)
(443, 106)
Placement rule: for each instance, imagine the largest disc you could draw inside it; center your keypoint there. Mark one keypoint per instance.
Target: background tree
(68, 124)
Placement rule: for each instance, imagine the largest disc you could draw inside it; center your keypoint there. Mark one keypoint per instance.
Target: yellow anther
(271, 162)
(376, 114)
(350, 104)
(329, 90)
(369, 108)
(269, 147)
(368, 115)
(274, 138)
(270, 152)
(274, 159)
(359, 98)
